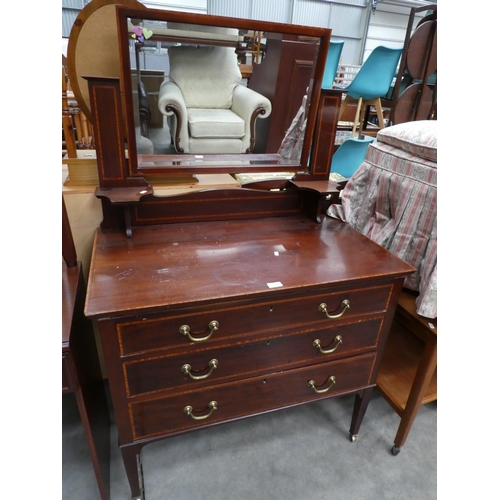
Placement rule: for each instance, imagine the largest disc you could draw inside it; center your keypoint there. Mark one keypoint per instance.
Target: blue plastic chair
(349, 156)
(332, 63)
(372, 82)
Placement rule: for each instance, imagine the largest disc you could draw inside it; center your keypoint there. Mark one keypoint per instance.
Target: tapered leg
(380, 114)
(360, 405)
(133, 467)
(356, 119)
(425, 372)
(343, 107)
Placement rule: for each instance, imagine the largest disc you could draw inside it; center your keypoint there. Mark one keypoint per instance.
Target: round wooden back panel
(93, 47)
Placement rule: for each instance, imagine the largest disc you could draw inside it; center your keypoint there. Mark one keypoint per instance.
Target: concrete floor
(299, 453)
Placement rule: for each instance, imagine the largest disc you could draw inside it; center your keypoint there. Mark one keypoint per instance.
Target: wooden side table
(408, 374)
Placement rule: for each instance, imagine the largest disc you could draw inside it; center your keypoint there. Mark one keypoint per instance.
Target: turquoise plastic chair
(332, 63)
(349, 156)
(372, 82)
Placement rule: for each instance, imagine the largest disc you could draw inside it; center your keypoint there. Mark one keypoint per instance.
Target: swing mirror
(210, 94)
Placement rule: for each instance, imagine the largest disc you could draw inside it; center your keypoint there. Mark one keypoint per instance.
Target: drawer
(250, 357)
(147, 334)
(249, 397)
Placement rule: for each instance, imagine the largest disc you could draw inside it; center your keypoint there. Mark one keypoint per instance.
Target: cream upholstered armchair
(208, 111)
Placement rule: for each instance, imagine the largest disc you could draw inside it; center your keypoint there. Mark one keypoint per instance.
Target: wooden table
(408, 373)
(205, 323)
(81, 374)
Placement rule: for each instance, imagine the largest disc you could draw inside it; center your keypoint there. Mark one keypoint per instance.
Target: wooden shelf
(399, 367)
(408, 373)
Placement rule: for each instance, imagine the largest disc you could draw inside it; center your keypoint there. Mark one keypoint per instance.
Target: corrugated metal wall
(388, 24)
(70, 10)
(193, 6)
(348, 19)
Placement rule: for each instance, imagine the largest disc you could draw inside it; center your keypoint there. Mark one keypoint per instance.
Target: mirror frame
(218, 163)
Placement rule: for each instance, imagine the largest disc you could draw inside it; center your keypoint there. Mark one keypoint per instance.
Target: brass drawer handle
(186, 369)
(312, 384)
(323, 308)
(337, 339)
(188, 410)
(212, 326)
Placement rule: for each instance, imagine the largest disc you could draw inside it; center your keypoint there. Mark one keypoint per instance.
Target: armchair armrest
(171, 104)
(250, 105)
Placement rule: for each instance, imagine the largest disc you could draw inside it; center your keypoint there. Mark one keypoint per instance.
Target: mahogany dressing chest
(218, 305)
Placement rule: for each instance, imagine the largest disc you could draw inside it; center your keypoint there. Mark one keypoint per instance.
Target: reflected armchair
(208, 111)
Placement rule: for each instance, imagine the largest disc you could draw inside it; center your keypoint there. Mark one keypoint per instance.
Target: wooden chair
(81, 372)
(414, 96)
(349, 156)
(77, 130)
(371, 83)
(332, 63)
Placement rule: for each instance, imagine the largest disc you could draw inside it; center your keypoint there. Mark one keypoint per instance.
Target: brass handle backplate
(188, 410)
(186, 369)
(324, 309)
(312, 385)
(338, 341)
(186, 330)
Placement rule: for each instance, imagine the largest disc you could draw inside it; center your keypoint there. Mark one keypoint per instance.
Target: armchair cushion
(222, 123)
(220, 75)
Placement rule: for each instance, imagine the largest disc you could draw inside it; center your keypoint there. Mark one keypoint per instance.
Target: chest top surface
(200, 263)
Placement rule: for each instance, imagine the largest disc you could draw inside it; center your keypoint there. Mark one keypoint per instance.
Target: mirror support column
(112, 165)
(323, 145)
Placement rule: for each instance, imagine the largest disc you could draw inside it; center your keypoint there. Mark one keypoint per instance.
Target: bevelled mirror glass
(209, 94)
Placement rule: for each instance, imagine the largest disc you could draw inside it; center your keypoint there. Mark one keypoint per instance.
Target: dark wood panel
(217, 205)
(68, 384)
(70, 279)
(264, 199)
(110, 140)
(323, 146)
(112, 165)
(288, 65)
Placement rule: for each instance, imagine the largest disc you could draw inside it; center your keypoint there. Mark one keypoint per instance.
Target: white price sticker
(276, 284)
